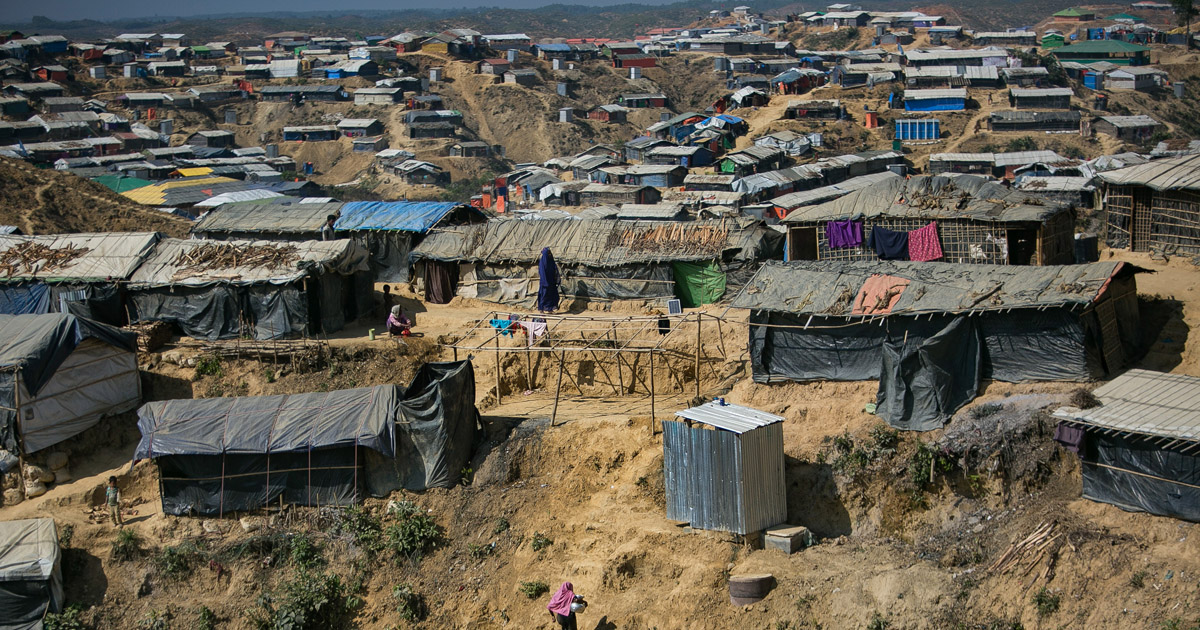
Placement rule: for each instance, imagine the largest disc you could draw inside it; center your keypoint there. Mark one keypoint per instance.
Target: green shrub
(409, 604)
(502, 526)
(127, 546)
(303, 552)
(481, 551)
(65, 534)
(309, 601)
(176, 563)
(413, 536)
(206, 619)
(1046, 603)
(69, 619)
(209, 365)
(534, 589)
(540, 541)
(365, 529)
(878, 622)
(155, 620)
(925, 462)
(1138, 580)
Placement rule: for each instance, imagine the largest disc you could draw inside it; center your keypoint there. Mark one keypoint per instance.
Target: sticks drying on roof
(227, 255)
(25, 257)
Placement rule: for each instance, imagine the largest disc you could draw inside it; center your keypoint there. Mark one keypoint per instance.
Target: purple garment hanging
(844, 233)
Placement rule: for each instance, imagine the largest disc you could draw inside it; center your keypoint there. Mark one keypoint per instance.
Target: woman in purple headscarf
(564, 604)
(547, 301)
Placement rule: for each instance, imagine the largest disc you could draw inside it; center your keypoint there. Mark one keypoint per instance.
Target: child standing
(112, 496)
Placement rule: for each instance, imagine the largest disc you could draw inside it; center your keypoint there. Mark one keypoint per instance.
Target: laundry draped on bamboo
(889, 244)
(923, 243)
(844, 233)
(504, 326)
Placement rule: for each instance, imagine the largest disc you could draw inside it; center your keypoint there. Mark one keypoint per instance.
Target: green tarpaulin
(120, 184)
(698, 283)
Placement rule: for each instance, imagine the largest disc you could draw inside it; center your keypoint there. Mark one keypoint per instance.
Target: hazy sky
(23, 10)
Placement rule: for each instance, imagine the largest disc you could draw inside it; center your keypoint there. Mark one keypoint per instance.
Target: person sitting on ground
(564, 605)
(112, 496)
(398, 324)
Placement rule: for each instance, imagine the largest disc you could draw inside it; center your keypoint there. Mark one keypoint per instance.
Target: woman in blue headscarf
(547, 301)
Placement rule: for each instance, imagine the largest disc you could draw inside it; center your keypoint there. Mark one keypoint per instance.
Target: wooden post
(456, 353)
(497, 368)
(617, 355)
(721, 338)
(651, 391)
(17, 431)
(557, 387)
(699, 320)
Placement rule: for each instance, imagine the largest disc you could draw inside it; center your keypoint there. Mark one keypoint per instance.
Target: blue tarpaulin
(934, 104)
(24, 299)
(405, 216)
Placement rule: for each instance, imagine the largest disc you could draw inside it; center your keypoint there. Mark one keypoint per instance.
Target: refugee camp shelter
(1040, 98)
(271, 290)
(723, 468)
(974, 219)
(1154, 206)
(31, 583)
(1023, 120)
(597, 259)
(218, 455)
(1137, 128)
(932, 333)
(326, 448)
(1116, 51)
(59, 374)
(80, 274)
(1138, 448)
(943, 100)
(387, 229)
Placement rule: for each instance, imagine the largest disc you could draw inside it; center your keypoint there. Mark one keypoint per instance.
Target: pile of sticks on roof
(229, 255)
(676, 238)
(25, 256)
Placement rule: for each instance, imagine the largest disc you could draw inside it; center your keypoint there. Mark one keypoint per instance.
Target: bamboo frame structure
(619, 336)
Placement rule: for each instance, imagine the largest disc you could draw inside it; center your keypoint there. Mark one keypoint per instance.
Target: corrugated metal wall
(720, 480)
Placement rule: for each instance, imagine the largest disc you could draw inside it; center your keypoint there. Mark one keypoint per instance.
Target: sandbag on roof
(833, 288)
(172, 262)
(934, 197)
(269, 424)
(600, 243)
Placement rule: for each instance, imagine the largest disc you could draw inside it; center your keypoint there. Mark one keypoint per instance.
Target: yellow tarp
(197, 171)
(155, 194)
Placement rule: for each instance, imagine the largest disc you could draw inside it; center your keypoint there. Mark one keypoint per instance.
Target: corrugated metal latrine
(721, 480)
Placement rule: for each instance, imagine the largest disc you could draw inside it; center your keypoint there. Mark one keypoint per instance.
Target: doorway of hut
(1022, 246)
(802, 244)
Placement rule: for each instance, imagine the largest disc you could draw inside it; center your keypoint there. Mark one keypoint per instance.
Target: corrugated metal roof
(1145, 402)
(914, 95)
(735, 418)
(1040, 92)
(1181, 173)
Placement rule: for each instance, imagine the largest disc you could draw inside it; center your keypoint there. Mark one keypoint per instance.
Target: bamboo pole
(497, 368)
(651, 393)
(620, 373)
(557, 388)
(699, 323)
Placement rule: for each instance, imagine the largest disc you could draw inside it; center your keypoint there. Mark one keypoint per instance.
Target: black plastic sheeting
(24, 299)
(389, 253)
(201, 312)
(226, 454)
(927, 368)
(436, 431)
(23, 604)
(37, 345)
(1133, 473)
(98, 302)
(277, 311)
(930, 369)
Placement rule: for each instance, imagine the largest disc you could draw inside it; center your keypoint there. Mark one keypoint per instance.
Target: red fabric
(879, 294)
(561, 602)
(923, 244)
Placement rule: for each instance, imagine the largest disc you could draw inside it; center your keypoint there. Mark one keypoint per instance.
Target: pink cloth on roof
(923, 244)
(561, 602)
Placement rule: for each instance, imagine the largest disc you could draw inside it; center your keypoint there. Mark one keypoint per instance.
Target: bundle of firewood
(1029, 552)
(151, 335)
(25, 257)
(229, 255)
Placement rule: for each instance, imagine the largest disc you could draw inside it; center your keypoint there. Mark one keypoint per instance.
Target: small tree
(1185, 10)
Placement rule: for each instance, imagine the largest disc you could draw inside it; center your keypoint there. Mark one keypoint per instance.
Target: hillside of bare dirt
(913, 530)
(48, 202)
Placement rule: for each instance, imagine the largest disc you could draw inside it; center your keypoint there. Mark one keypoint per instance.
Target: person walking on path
(112, 496)
(563, 606)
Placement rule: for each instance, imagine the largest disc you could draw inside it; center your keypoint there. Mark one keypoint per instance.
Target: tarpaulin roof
(407, 216)
(110, 256)
(37, 344)
(1144, 402)
(270, 424)
(603, 243)
(832, 288)
(826, 193)
(934, 197)
(121, 183)
(169, 266)
(1181, 173)
(28, 549)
